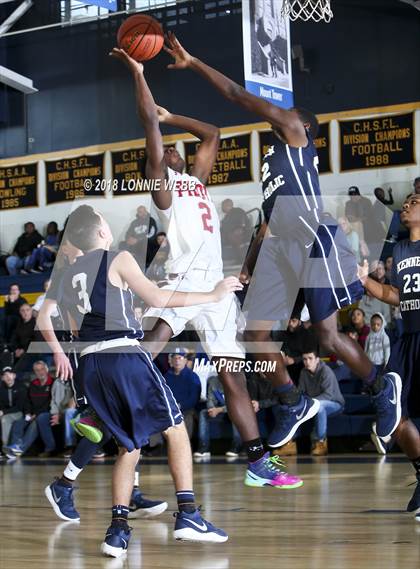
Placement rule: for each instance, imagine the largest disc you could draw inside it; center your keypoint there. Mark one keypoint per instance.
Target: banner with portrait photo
(267, 52)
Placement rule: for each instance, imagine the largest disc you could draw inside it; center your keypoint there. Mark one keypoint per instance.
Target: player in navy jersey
(302, 251)
(404, 291)
(118, 376)
(60, 492)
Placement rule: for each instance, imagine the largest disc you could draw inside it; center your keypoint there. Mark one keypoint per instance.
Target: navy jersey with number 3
(406, 277)
(291, 172)
(100, 310)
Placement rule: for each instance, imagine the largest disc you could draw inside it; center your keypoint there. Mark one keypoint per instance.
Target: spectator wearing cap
(12, 403)
(27, 242)
(185, 386)
(37, 419)
(12, 303)
(216, 411)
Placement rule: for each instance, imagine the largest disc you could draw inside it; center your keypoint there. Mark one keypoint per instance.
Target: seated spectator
(318, 381)
(63, 410)
(235, 230)
(216, 411)
(27, 242)
(371, 305)
(23, 335)
(416, 185)
(261, 392)
(40, 301)
(352, 236)
(140, 231)
(388, 268)
(12, 303)
(359, 324)
(156, 244)
(185, 385)
(378, 346)
(377, 272)
(12, 400)
(156, 271)
(43, 256)
(37, 419)
(295, 340)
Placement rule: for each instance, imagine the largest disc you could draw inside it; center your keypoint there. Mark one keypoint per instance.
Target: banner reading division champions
(18, 186)
(73, 178)
(267, 52)
(377, 142)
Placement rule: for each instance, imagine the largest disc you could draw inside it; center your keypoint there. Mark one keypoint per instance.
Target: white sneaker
(204, 454)
(377, 441)
(232, 454)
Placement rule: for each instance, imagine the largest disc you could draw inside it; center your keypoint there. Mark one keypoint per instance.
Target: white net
(315, 10)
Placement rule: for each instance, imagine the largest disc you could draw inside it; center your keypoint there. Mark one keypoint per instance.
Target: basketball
(141, 37)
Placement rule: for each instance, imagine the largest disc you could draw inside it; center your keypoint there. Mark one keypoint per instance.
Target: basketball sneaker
(116, 541)
(192, 527)
(414, 503)
(87, 424)
(290, 418)
(388, 406)
(13, 450)
(61, 499)
(141, 507)
(270, 471)
(377, 441)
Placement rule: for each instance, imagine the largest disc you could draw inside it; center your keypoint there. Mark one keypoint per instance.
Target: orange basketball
(141, 37)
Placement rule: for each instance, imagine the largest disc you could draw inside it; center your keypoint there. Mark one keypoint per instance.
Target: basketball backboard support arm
(7, 76)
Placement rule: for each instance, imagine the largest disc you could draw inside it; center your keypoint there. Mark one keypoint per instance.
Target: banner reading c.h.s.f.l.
(267, 52)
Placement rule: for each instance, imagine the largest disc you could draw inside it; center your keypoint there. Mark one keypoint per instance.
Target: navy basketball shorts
(405, 360)
(129, 394)
(315, 259)
(78, 393)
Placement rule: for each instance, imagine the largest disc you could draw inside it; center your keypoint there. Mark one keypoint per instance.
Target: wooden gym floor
(348, 515)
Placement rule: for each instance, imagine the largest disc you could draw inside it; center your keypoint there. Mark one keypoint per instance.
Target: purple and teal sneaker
(270, 471)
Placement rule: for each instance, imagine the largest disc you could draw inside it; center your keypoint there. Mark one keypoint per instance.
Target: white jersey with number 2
(192, 226)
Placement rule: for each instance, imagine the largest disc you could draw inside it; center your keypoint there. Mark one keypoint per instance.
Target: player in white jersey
(195, 263)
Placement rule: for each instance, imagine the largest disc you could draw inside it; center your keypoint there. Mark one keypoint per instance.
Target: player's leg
(60, 492)
(385, 389)
(263, 470)
(118, 533)
(157, 335)
(408, 438)
(295, 408)
(189, 525)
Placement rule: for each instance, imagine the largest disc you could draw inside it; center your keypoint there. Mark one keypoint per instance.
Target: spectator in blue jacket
(185, 385)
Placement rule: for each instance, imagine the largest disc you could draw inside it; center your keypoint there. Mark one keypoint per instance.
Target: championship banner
(18, 187)
(322, 145)
(233, 163)
(267, 52)
(377, 142)
(73, 178)
(128, 168)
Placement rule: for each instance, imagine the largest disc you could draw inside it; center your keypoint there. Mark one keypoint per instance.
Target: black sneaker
(414, 503)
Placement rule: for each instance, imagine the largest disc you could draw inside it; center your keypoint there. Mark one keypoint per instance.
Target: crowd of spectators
(34, 406)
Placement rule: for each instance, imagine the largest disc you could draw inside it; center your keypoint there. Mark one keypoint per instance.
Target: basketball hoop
(315, 10)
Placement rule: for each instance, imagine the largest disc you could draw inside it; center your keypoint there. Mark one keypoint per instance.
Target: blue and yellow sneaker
(192, 527)
(290, 418)
(116, 541)
(270, 471)
(388, 406)
(141, 507)
(61, 499)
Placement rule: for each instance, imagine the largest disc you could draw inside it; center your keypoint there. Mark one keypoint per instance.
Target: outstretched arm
(146, 108)
(387, 293)
(209, 135)
(286, 122)
(124, 269)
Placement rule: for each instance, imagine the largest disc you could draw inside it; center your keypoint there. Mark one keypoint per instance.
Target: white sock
(71, 471)
(136, 479)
